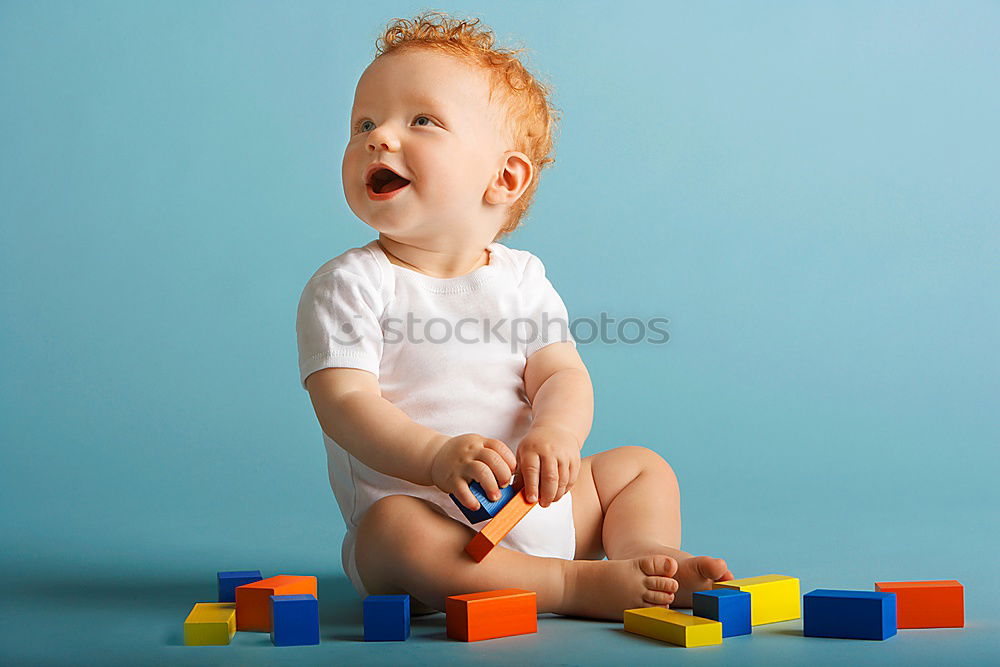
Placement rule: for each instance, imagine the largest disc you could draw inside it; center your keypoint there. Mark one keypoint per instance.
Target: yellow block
(773, 597)
(673, 626)
(210, 624)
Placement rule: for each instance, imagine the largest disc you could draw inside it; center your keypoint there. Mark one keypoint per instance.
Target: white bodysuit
(448, 352)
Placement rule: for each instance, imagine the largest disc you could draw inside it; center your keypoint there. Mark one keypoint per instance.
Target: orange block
(927, 604)
(498, 527)
(492, 614)
(253, 601)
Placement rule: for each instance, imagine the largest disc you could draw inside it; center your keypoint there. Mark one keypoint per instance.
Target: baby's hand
(548, 460)
(472, 456)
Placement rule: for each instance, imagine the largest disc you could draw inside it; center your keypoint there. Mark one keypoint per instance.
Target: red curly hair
(531, 117)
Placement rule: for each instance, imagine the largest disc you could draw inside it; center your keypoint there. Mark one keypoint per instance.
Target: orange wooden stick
(498, 527)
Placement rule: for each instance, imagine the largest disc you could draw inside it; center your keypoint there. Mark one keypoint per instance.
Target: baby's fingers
(465, 496)
(529, 474)
(548, 481)
(574, 471)
(503, 451)
(501, 471)
(565, 480)
(482, 473)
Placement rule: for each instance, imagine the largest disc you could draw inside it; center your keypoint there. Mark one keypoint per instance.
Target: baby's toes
(713, 569)
(658, 598)
(658, 566)
(659, 590)
(661, 584)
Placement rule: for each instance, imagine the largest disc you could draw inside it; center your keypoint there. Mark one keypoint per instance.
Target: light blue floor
(66, 614)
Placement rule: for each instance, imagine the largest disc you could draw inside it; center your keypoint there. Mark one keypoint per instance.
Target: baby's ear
(511, 180)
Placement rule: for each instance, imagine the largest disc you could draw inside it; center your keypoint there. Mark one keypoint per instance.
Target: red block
(253, 601)
(491, 614)
(927, 604)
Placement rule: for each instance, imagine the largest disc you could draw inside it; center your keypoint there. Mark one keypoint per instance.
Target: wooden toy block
(848, 614)
(493, 532)
(773, 597)
(728, 606)
(927, 604)
(491, 614)
(253, 600)
(673, 626)
(228, 581)
(210, 624)
(295, 620)
(487, 508)
(386, 618)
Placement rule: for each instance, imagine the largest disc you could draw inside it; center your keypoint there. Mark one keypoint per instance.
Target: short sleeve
(543, 306)
(337, 324)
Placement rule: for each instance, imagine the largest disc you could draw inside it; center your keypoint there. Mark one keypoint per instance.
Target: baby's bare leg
(626, 504)
(404, 545)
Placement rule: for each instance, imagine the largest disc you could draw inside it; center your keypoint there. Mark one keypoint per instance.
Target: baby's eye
(363, 125)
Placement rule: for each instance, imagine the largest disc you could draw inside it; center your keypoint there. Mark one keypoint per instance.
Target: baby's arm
(558, 387)
(351, 410)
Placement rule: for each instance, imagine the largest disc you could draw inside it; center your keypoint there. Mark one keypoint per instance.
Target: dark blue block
(849, 614)
(387, 618)
(487, 508)
(728, 606)
(228, 581)
(294, 620)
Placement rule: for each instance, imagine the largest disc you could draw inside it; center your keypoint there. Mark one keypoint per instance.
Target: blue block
(728, 606)
(228, 581)
(294, 620)
(487, 508)
(849, 614)
(387, 618)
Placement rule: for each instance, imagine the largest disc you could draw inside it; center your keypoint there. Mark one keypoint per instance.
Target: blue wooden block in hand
(849, 614)
(294, 620)
(487, 508)
(386, 618)
(228, 581)
(729, 607)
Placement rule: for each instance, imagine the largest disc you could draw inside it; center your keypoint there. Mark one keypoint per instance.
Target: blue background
(808, 191)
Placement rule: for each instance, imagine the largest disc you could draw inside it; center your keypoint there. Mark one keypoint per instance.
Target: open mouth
(385, 181)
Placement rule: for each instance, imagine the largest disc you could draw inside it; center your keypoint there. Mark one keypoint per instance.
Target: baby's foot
(605, 588)
(698, 573)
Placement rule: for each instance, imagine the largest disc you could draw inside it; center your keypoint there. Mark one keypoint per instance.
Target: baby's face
(427, 116)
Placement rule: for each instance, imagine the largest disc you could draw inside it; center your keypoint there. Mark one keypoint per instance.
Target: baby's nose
(380, 139)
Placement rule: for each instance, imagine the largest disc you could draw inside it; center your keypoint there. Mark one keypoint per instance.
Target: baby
(448, 136)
